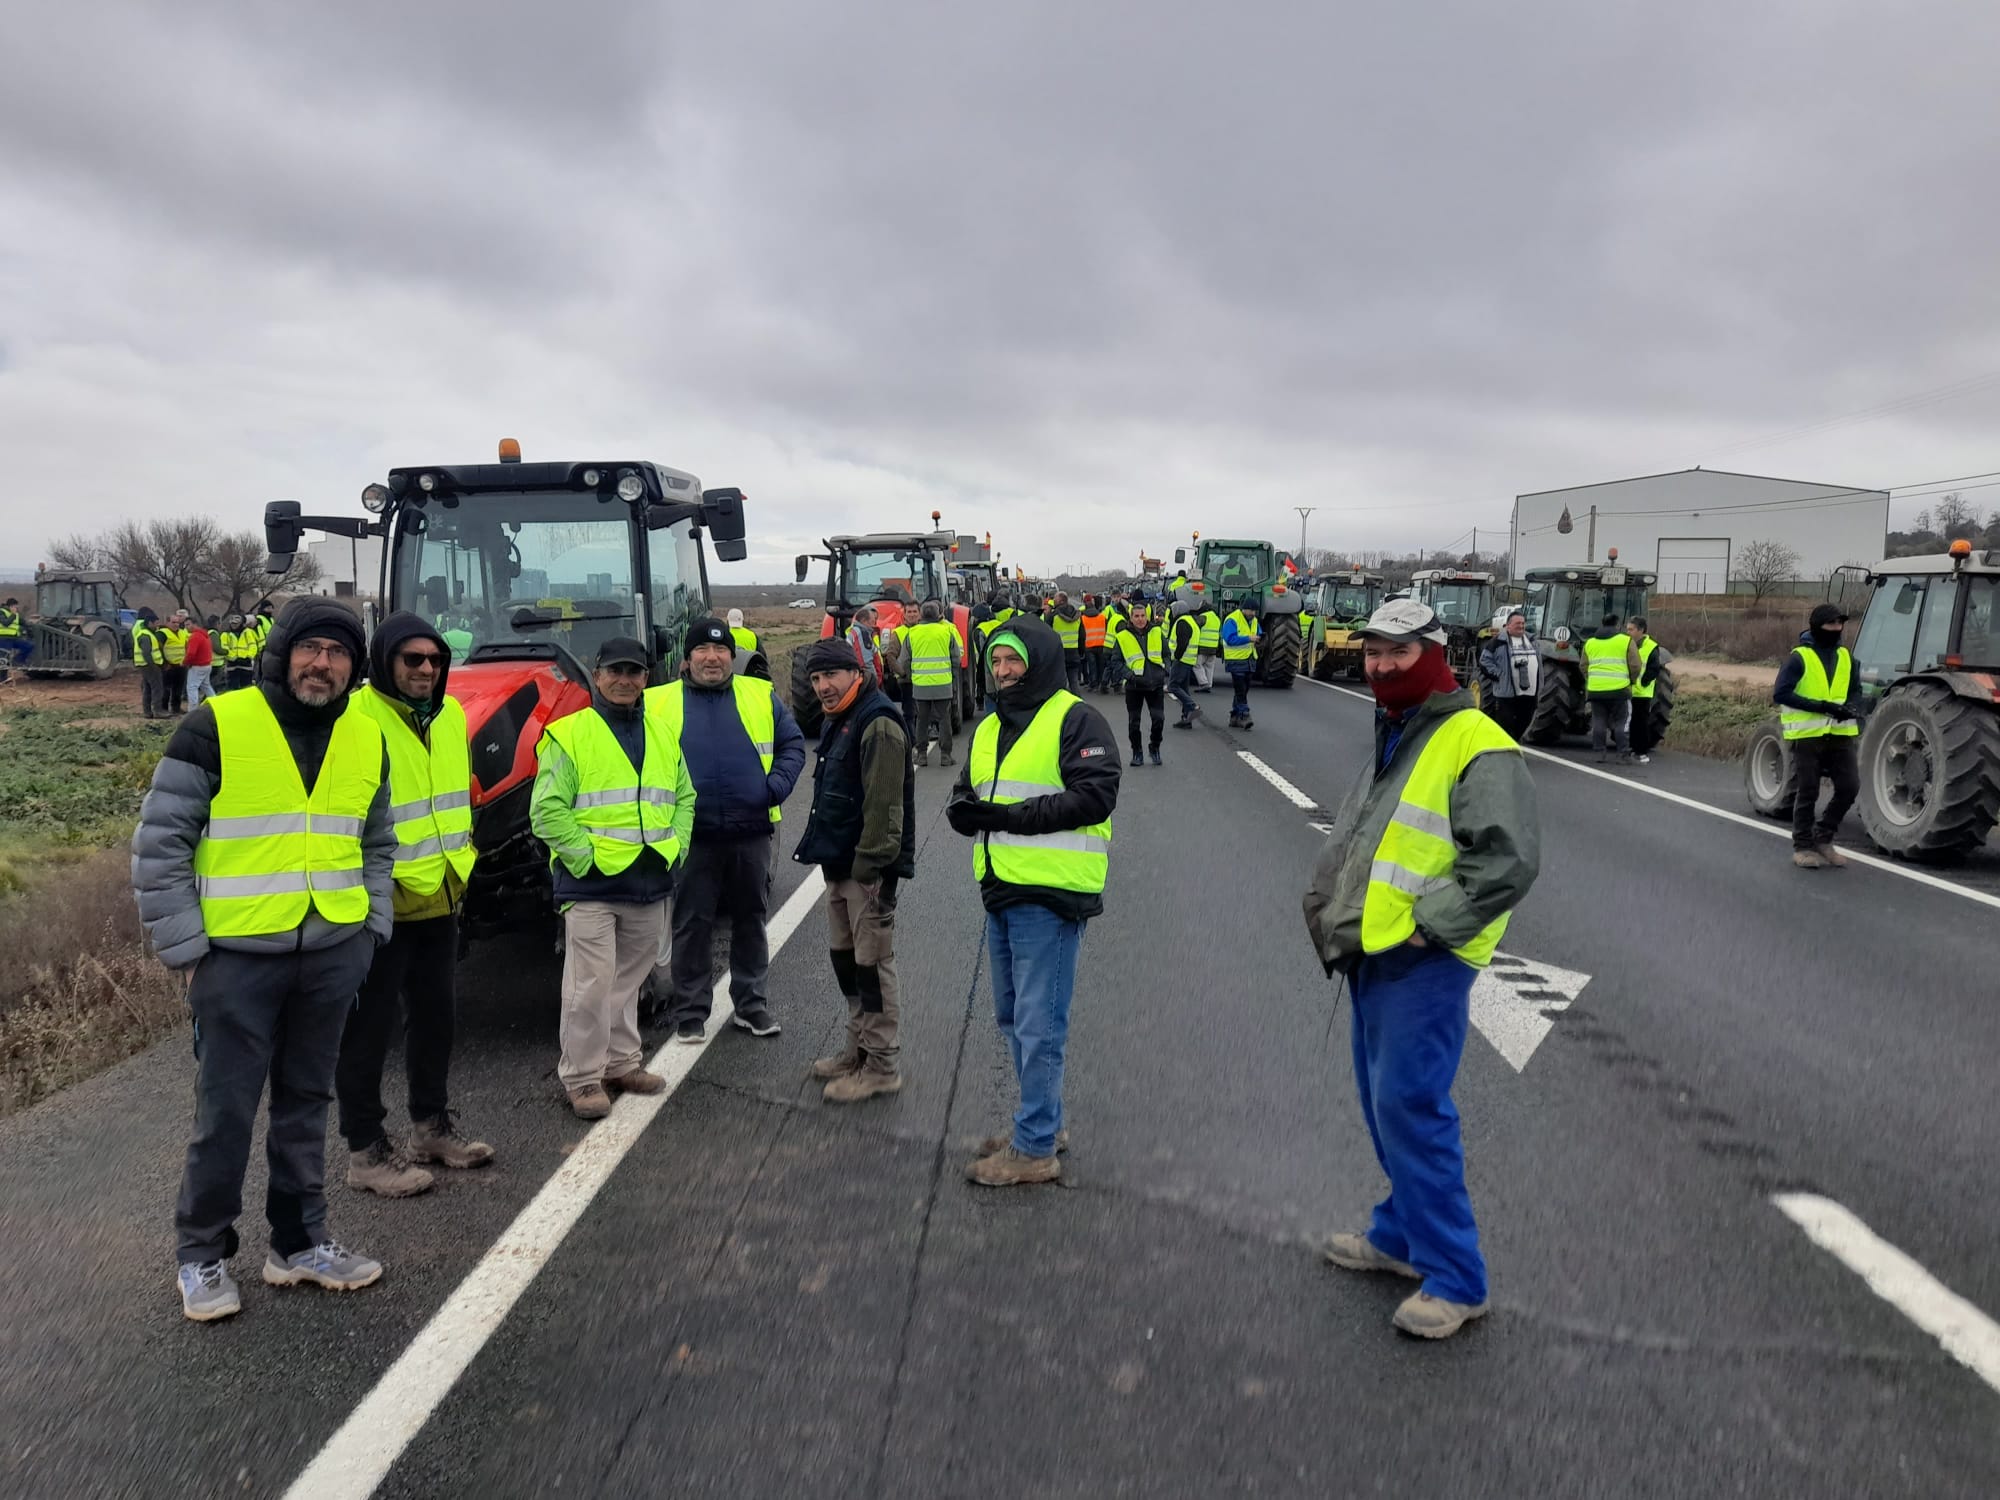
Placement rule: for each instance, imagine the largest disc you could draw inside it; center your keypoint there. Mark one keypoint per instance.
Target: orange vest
(1093, 630)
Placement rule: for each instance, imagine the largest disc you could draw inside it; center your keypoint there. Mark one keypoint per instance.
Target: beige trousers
(608, 949)
(865, 926)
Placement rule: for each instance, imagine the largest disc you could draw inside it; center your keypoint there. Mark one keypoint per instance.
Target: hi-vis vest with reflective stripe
(247, 642)
(142, 636)
(1191, 652)
(430, 792)
(1211, 631)
(1094, 629)
(1247, 632)
(1076, 859)
(744, 636)
(174, 643)
(1605, 668)
(270, 851)
(1642, 689)
(620, 811)
(1138, 658)
(931, 648)
(753, 707)
(1813, 686)
(1417, 854)
(10, 623)
(1069, 632)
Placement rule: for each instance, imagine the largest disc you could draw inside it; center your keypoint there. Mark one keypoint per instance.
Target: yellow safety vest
(1137, 657)
(987, 627)
(1605, 667)
(1211, 631)
(744, 636)
(430, 792)
(10, 623)
(174, 643)
(929, 651)
(1642, 688)
(271, 851)
(1069, 632)
(1191, 652)
(249, 642)
(1076, 859)
(142, 635)
(1417, 854)
(754, 706)
(1246, 628)
(1814, 688)
(621, 812)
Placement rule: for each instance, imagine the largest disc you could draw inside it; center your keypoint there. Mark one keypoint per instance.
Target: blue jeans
(1411, 1009)
(1180, 682)
(1239, 679)
(1034, 972)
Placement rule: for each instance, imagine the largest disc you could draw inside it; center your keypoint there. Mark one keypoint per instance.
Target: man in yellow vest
(1183, 654)
(929, 649)
(1645, 688)
(1142, 646)
(1435, 844)
(147, 657)
(1036, 797)
(263, 865)
(1211, 644)
(413, 976)
(12, 636)
(1610, 666)
(741, 635)
(1067, 621)
(1242, 630)
(173, 651)
(743, 751)
(614, 803)
(1819, 700)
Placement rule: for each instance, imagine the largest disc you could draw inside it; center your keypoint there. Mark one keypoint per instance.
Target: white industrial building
(1691, 527)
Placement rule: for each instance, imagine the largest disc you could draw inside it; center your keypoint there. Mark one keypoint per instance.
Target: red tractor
(525, 570)
(897, 572)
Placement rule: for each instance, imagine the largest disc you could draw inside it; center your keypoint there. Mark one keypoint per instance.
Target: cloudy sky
(1090, 275)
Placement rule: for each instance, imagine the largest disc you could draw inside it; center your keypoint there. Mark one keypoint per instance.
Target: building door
(1693, 565)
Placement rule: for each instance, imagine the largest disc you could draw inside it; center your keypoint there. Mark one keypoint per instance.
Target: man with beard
(263, 865)
(1036, 798)
(1437, 842)
(413, 977)
(614, 803)
(744, 753)
(862, 833)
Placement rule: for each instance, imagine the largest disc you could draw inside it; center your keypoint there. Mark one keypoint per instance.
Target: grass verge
(1716, 719)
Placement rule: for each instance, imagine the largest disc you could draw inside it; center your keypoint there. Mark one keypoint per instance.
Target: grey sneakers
(1356, 1252)
(207, 1293)
(326, 1264)
(382, 1169)
(1430, 1317)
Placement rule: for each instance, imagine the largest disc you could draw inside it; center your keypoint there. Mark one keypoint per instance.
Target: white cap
(1404, 620)
(735, 617)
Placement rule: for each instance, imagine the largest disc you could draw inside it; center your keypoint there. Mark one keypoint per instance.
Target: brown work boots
(863, 1082)
(1010, 1168)
(443, 1144)
(384, 1170)
(638, 1081)
(589, 1102)
(838, 1065)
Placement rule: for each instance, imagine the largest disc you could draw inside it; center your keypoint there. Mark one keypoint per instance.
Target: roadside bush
(1733, 635)
(1716, 720)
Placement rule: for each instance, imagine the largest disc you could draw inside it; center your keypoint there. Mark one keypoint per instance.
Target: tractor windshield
(1462, 603)
(1579, 606)
(1236, 567)
(1980, 644)
(1350, 601)
(893, 573)
(472, 568)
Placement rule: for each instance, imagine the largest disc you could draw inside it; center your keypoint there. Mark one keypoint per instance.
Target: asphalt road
(774, 1296)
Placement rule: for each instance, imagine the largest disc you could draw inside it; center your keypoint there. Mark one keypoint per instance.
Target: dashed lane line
(358, 1456)
(1966, 1333)
(1759, 825)
(1292, 794)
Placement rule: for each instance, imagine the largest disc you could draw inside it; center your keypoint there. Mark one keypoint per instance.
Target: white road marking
(1760, 825)
(358, 1456)
(1515, 1001)
(1967, 1334)
(1296, 797)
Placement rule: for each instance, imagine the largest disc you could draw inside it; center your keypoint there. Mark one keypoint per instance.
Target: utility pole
(1590, 548)
(1304, 511)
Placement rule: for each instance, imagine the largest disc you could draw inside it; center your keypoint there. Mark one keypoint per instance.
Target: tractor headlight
(375, 499)
(631, 487)
(427, 482)
(593, 477)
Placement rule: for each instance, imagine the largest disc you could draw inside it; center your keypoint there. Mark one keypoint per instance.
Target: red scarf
(1399, 692)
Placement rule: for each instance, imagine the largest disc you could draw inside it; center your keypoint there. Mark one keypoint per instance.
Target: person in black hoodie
(273, 950)
(862, 833)
(1036, 796)
(1142, 646)
(1819, 694)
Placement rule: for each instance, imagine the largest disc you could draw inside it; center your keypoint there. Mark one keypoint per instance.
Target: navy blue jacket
(1784, 692)
(733, 796)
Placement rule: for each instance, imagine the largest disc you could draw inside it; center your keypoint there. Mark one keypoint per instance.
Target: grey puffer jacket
(174, 816)
(1494, 823)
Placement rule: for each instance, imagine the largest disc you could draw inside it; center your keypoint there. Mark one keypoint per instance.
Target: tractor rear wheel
(1279, 656)
(805, 702)
(103, 653)
(1930, 773)
(1661, 704)
(1767, 771)
(1557, 705)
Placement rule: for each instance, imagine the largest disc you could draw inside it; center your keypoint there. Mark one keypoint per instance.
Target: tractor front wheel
(1930, 773)
(1558, 705)
(1767, 771)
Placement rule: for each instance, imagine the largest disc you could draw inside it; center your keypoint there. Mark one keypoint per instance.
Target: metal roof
(1984, 564)
(935, 540)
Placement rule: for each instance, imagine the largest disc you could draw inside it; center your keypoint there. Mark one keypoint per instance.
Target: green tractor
(1232, 571)
(1928, 654)
(1341, 606)
(1564, 607)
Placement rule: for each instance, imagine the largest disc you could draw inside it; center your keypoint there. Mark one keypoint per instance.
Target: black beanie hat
(832, 656)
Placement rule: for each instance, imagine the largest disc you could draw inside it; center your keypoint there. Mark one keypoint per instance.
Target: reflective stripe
(658, 796)
(1816, 722)
(256, 827)
(1423, 820)
(630, 835)
(438, 843)
(338, 827)
(1072, 843)
(767, 747)
(1383, 872)
(334, 880)
(442, 802)
(286, 883)
(1022, 789)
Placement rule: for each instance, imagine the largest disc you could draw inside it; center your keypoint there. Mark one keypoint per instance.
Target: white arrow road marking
(1514, 1004)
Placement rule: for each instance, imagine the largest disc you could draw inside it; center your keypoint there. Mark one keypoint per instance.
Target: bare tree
(1764, 565)
(76, 551)
(231, 572)
(1954, 517)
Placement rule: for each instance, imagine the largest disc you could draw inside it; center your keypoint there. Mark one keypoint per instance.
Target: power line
(1966, 387)
(1825, 500)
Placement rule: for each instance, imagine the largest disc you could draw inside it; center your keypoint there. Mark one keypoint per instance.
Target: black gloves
(978, 817)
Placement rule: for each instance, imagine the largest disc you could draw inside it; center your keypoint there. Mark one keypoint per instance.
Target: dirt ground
(121, 688)
(1690, 669)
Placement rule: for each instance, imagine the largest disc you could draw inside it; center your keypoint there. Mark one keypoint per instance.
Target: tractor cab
(1564, 607)
(1458, 597)
(1343, 603)
(1233, 570)
(526, 570)
(78, 625)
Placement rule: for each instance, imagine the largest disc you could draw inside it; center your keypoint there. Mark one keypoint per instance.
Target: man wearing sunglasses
(614, 802)
(413, 975)
(263, 865)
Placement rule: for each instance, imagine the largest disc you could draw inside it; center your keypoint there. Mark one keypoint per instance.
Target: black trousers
(1834, 757)
(242, 675)
(1151, 698)
(1643, 738)
(1073, 668)
(175, 680)
(413, 978)
(262, 1019)
(1180, 682)
(932, 717)
(152, 693)
(722, 878)
(1511, 714)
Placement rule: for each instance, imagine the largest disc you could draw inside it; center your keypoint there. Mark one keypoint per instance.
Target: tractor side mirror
(799, 565)
(282, 533)
(722, 514)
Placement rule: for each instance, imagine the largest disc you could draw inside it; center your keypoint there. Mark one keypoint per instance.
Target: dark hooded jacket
(391, 636)
(174, 815)
(1088, 761)
(1785, 691)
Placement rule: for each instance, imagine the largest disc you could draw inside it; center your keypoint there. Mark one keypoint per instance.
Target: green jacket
(1493, 822)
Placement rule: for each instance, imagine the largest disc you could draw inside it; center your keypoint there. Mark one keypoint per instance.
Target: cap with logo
(1402, 620)
(709, 631)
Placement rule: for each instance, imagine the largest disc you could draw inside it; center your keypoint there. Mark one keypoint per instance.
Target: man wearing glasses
(263, 864)
(615, 804)
(430, 802)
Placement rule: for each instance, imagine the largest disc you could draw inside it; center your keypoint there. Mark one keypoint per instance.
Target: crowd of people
(183, 661)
